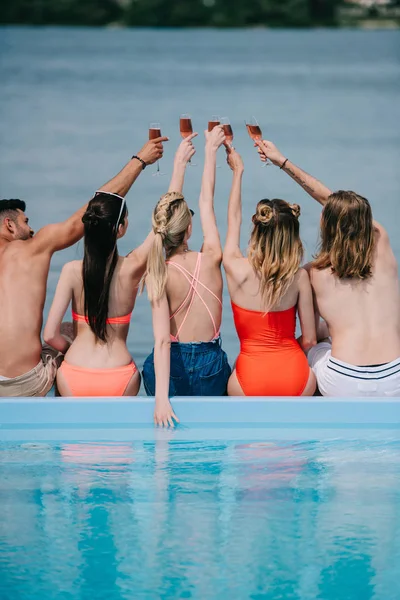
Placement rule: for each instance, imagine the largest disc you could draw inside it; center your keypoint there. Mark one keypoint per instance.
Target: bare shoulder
(211, 259)
(233, 263)
(302, 279)
(133, 265)
(73, 266)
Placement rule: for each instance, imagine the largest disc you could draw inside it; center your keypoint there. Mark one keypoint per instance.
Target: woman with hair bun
(185, 290)
(267, 289)
(103, 289)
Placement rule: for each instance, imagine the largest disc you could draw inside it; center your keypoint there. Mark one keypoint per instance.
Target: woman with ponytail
(185, 290)
(268, 288)
(103, 289)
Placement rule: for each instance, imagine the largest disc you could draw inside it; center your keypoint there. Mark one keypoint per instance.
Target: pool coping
(116, 419)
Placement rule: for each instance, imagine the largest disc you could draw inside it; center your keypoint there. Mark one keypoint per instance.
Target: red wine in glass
(155, 132)
(254, 131)
(213, 123)
(227, 127)
(186, 129)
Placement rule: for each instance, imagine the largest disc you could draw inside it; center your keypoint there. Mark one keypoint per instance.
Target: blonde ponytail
(171, 219)
(156, 276)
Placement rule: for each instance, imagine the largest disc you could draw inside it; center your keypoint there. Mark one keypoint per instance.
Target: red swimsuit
(271, 362)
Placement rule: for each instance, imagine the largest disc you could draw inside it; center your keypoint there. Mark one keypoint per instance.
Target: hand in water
(267, 150)
(234, 160)
(185, 150)
(152, 150)
(164, 415)
(215, 138)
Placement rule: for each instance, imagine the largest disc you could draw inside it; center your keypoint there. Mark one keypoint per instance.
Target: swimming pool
(260, 499)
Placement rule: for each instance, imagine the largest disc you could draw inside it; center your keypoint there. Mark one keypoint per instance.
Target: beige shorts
(38, 381)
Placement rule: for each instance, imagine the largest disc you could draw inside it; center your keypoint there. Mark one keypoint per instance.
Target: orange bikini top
(125, 320)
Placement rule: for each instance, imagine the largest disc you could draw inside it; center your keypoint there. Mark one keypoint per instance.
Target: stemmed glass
(155, 132)
(214, 121)
(186, 129)
(226, 126)
(254, 131)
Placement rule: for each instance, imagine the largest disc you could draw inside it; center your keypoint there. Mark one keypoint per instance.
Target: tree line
(171, 13)
(174, 13)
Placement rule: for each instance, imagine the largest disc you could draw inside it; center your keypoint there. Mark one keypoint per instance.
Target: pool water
(202, 520)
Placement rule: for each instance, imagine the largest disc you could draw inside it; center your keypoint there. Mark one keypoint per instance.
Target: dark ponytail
(100, 258)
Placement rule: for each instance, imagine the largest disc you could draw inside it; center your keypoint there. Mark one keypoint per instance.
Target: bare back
(363, 316)
(23, 278)
(244, 289)
(86, 350)
(198, 326)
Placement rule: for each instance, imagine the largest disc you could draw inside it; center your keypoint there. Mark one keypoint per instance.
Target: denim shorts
(197, 369)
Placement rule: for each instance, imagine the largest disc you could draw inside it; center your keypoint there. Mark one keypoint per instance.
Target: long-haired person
(102, 289)
(356, 287)
(185, 290)
(268, 288)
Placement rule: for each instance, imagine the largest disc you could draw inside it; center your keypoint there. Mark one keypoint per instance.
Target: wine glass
(226, 126)
(254, 131)
(186, 129)
(213, 122)
(155, 132)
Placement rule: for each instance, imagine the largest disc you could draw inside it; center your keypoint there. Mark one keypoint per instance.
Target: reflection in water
(178, 520)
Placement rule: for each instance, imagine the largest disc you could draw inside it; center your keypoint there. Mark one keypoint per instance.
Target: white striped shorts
(337, 378)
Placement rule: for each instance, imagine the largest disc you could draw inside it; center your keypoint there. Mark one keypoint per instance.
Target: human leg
(311, 385)
(234, 387)
(132, 389)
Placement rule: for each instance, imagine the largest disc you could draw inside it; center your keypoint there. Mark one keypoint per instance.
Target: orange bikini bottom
(97, 382)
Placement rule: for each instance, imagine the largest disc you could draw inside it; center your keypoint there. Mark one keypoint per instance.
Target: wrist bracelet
(141, 160)
(284, 163)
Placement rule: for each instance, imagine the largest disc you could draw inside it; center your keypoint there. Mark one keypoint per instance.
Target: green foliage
(171, 13)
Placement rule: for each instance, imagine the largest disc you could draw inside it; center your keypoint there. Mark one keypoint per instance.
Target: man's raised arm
(58, 236)
(310, 184)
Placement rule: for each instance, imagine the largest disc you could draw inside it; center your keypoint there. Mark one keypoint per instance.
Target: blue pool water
(255, 499)
(204, 520)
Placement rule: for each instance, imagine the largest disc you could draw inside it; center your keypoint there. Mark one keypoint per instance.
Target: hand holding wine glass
(152, 150)
(213, 122)
(154, 135)
(234, 160)
(268, 150)
(185, 150)
(227, 127)
(186, 129)
(215, 137)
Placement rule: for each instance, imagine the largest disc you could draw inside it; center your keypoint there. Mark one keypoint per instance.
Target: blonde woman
(185, 290)
(267, 289)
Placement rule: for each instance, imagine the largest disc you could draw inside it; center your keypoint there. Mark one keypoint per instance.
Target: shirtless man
(27, 369)
(356, 290)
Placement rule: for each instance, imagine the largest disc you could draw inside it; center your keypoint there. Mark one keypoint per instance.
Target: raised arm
(52, 332)
(182, 156)
(310, 184)
(232, 250)
(58, 236)
(163, 413)
(212, 242)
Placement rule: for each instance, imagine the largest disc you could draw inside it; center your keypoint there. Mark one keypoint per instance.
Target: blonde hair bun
(263, 215)
(295, 208)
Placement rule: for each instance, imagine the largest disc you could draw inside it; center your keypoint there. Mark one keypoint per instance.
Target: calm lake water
(75, 104)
